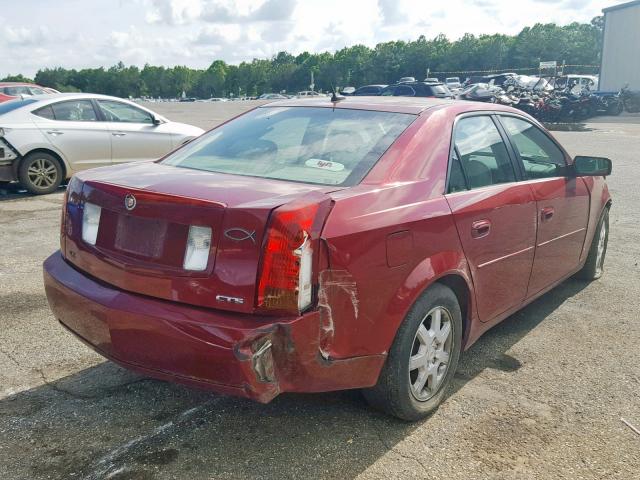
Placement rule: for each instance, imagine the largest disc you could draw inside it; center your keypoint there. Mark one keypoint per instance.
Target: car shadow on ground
(13, 191)
(105, 422)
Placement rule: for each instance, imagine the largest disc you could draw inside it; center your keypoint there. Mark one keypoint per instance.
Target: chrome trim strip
(561, 236)
(505, 257)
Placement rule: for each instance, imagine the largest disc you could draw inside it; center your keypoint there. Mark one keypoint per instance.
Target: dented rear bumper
(229, 353)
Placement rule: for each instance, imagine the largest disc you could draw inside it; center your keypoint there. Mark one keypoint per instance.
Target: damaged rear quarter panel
(362, 300)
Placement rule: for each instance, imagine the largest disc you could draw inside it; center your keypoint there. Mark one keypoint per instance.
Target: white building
(621, 47)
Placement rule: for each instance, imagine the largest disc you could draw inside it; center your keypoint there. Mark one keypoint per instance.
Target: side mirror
(155, 120)
(592, 166)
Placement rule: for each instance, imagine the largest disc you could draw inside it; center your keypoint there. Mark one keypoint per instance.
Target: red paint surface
(378, 246)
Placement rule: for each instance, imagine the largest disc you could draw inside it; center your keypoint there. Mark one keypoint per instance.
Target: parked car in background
(319, 245)
(576, 83)
(47, 138)
(272, 96)
(308, 93)
(496, 79)
(452, 82)
(12, 90)
(368, 90)
(417, 89)
(432, 80)
(348, 90)
(479, 92)
(406, 80)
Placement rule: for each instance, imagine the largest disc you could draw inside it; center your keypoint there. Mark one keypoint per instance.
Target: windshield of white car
(302, 144)
(11, 105)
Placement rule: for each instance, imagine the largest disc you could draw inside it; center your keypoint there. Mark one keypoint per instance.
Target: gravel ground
(539, 396)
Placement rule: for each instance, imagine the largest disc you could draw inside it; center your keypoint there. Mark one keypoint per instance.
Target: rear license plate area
(141, 236)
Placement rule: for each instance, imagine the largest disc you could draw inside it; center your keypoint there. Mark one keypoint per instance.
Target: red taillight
(286, 275)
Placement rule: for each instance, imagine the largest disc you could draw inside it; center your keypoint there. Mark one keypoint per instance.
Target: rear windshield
(6, 107)
(302, 144)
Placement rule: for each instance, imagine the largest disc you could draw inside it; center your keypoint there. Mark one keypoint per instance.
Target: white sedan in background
(45, 139)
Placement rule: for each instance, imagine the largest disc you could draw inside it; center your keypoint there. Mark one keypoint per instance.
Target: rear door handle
(547, 213)
(480, 228)
(55, 133)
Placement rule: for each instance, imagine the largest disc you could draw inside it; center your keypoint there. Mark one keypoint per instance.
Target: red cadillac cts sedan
(318, 245)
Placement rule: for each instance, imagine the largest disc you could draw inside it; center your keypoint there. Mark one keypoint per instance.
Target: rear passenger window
(74, 111)
(540, 156)
(483, 154)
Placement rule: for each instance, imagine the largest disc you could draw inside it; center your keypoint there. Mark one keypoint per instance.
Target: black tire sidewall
(23, 177)
(590, 269)
(406, 406)
(604, 222)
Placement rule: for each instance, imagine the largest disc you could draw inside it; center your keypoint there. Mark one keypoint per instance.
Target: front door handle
(480, 228)
(55, 133)
(118, 134)
(546, 213)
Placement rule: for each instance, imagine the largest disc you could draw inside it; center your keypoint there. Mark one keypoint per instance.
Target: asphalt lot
(539, 396)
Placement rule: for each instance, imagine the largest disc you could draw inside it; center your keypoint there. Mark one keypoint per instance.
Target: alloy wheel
(42, 173)
(602, 241)
(430, 354)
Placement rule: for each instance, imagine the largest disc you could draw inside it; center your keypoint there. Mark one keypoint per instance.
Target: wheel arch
(56, 155)
(462, 291)
(447, 268)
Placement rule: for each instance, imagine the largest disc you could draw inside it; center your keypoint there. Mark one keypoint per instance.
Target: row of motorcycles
(554, 104)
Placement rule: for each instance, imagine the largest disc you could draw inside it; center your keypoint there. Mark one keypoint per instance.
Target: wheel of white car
(423, 358)
(40, 173)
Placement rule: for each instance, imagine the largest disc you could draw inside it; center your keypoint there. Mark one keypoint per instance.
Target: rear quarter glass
(301, 144)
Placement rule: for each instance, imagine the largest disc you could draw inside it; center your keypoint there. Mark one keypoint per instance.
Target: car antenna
(334, 96)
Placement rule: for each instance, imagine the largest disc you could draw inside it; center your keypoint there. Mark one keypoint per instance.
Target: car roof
(412, 105)
(50, 98)
(71, 96)
(18, 84)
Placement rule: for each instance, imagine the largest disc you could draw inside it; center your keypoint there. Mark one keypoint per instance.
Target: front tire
(594, 265)
(40, 173)
(423, 358)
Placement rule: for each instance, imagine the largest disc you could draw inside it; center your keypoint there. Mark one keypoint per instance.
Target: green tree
(350, 66)
(16, 78)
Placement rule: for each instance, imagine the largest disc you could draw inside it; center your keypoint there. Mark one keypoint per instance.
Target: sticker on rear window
(324, 164)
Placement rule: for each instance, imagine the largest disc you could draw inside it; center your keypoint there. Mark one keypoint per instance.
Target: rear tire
(594, 265)
(40, 173)
(615, 108)
(412, 360)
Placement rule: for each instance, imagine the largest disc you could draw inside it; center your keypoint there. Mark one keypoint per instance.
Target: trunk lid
(141, 249)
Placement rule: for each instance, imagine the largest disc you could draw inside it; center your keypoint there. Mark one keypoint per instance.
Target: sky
(35, 34)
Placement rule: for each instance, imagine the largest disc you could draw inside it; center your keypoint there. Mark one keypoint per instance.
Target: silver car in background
(45, 139)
